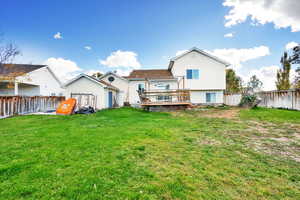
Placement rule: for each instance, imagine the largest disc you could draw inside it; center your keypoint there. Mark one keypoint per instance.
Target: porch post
(16, 88)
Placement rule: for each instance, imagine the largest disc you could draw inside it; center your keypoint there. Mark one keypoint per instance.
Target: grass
(272, 115)
(131, 154)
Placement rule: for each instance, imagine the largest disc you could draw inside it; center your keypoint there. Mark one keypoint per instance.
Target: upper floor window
(192, 73)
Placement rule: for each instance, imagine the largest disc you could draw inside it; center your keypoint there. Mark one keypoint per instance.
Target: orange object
(66, 107)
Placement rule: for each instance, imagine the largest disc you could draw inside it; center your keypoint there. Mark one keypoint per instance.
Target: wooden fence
(18, 105)
(287, 99)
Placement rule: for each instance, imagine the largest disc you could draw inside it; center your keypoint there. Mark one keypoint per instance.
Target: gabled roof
(151, 74)
(199, 51)
(100, 82)
(112, 73)
(17, 69)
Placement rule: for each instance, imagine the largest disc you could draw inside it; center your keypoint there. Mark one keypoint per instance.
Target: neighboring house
(119, 82)
(29, 80)
(105, 94)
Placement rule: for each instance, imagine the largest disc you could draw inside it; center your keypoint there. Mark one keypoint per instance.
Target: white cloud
(266, 74)
(121, 59)
(123, 72)
(93, 71)
(237, 56)
(64, 69)
(290, 45)
(88, 48)
(57, 36)
(229, 35)
(181, 52)
(282, 13)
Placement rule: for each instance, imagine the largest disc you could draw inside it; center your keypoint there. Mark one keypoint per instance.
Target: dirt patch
(211, 142)
(230, 113)
(278, 140)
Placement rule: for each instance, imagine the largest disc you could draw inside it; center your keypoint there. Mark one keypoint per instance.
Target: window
(162, 86)
(111, 79)
(210, 97)
(141, 87)
(192, 73)
(163, 98)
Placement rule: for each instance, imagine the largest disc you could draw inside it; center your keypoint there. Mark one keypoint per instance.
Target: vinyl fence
(18, 105)
(232, 99)
(287, 99)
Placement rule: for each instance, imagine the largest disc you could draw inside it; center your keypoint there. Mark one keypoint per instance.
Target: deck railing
(164, 97)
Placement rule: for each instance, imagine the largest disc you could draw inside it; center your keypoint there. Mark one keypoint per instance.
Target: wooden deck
(166, 103)
(165, 98)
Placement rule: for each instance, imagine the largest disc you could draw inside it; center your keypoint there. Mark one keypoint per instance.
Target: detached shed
(105, 94)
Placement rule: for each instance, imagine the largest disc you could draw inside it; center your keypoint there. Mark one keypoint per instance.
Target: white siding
(44, 79)
(133, 95)
(211, 73)
(122, 85)
(199, 97)
(84, 85)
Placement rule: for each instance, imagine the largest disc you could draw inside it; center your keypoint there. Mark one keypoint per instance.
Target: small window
(192, 74)
(111, 79)
(210, 97)
(163, 98)
(52, 94)
(141, 87)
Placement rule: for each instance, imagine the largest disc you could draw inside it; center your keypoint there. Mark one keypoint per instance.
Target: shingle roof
(151, 74)
(17, 69)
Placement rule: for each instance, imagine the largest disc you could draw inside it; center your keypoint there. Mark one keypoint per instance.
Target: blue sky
(146, 34)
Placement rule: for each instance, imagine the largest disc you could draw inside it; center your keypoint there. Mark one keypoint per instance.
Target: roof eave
(108, 73)
(201, 52)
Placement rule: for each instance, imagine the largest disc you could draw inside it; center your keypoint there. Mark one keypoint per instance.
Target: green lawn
(131, 154)
(272, 115)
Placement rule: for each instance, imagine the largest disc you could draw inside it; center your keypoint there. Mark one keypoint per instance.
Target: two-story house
(201, 74)
(204, 75)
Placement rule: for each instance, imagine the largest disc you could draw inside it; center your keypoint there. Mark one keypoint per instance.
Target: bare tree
(8, 52)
